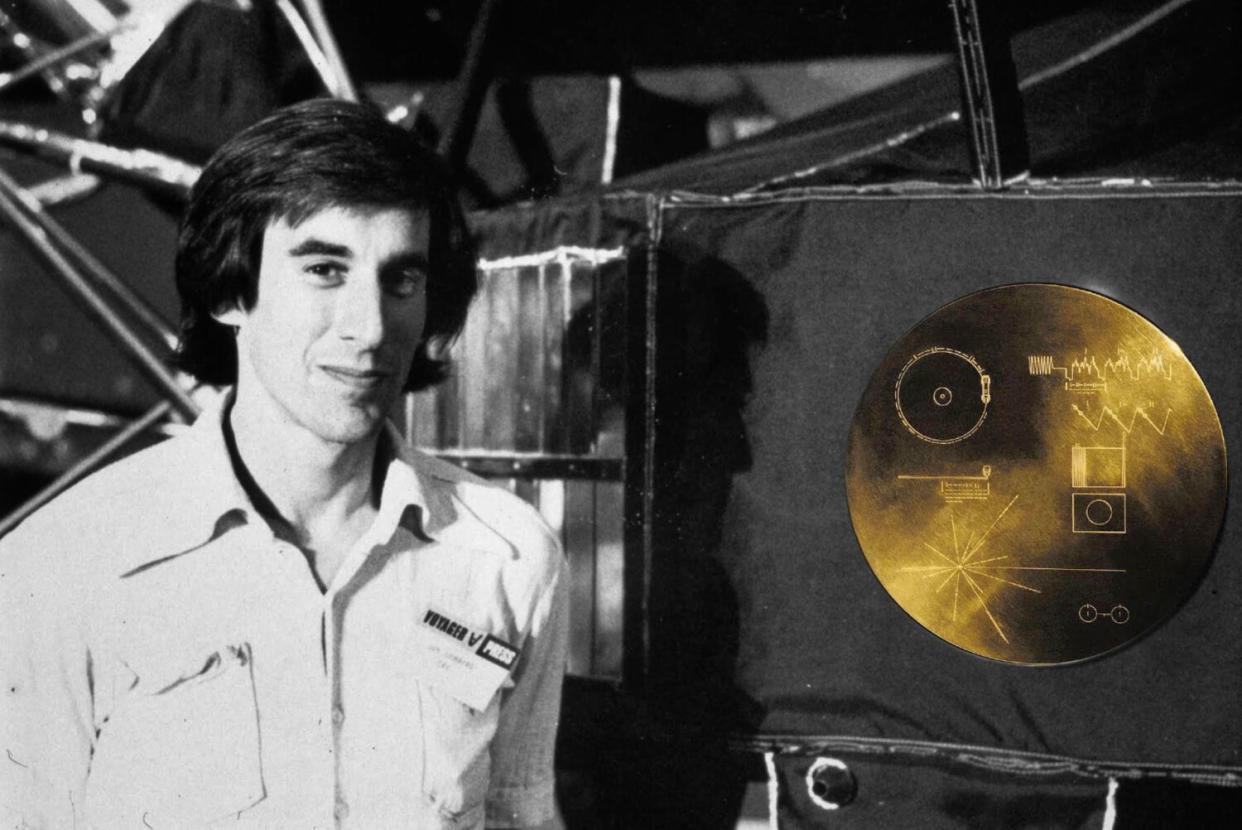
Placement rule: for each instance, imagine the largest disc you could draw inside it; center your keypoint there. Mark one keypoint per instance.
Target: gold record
(1036, 474)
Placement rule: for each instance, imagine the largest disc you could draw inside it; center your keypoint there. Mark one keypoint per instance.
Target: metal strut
(990, 96)
(92, 287)
(18, 213)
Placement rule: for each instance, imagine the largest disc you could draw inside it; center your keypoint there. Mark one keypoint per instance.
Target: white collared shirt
(167, 660)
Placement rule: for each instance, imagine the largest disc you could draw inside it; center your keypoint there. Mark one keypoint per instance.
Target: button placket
(334, 610)
(337, 717)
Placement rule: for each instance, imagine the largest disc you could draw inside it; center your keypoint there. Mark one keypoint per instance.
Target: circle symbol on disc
(1099, 512)
(942, 395)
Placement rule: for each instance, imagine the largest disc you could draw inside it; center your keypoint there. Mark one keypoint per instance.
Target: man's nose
(360, 311)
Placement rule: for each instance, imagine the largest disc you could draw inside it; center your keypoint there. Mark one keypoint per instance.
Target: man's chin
(352, 427)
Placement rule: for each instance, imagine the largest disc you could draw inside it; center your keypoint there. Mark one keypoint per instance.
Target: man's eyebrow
(408, 259)
(318, 247)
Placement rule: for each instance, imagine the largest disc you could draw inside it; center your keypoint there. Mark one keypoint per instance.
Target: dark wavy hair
(289, 166)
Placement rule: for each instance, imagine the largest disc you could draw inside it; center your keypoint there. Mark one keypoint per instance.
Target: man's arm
(46, 722)
(521, 792)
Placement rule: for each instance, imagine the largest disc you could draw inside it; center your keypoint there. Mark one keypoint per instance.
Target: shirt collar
(211, 489)
(209, 500)
(428, 497)
(196, 497)
(408, 496)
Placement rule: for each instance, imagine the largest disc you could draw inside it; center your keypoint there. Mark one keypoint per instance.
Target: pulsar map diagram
(968, 574)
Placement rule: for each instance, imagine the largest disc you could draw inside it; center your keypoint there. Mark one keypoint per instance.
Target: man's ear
(231, 316)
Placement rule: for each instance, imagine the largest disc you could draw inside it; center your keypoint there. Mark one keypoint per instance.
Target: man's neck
(310, 490)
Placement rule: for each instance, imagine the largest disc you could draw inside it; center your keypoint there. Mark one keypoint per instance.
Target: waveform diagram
(1091, 373)
(969, 574)
(1127, 425)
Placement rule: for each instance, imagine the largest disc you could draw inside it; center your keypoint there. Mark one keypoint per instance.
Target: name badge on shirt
(463, 662)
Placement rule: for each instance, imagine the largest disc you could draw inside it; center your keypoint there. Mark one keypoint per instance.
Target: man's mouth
(357, 377)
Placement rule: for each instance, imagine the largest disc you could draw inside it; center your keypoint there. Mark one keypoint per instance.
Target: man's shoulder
(496, 518)
(101, 514)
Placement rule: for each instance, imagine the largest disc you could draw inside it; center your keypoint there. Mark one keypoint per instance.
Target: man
(285, 617)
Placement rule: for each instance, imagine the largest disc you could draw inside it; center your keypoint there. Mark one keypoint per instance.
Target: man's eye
(326, 272)
(406, 283)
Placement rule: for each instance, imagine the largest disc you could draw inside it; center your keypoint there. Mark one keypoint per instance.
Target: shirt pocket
(456, 742)
(182, 753)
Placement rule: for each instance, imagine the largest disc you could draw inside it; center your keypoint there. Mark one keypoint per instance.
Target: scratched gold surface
(1036, 474)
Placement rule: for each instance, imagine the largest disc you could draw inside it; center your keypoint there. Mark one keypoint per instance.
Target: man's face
(341, 306)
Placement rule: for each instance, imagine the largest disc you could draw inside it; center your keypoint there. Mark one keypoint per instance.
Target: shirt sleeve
(45, 693)
(521, 789)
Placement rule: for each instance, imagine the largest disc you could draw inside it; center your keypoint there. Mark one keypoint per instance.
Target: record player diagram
(942, 395)
(1036, 474)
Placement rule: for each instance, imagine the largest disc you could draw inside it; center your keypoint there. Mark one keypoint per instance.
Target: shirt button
(338, 715)
(341, 811)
